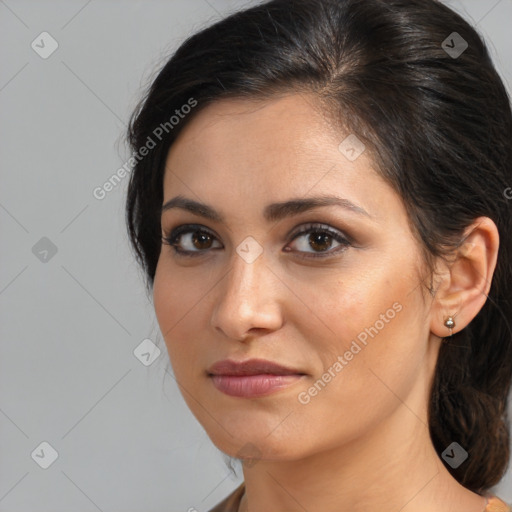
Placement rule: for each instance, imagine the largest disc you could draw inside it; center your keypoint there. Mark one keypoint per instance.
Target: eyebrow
(272, 212)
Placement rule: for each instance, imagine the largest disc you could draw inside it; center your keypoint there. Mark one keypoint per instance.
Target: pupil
(316, 241)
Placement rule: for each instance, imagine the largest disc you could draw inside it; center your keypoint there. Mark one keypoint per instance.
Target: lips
(253, 378)
(251, 367)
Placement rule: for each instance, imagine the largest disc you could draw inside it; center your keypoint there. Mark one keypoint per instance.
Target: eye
(194, 236)
(198, 240)
(320, 239)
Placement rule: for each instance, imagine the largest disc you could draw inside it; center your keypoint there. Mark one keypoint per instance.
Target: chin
(250, 445)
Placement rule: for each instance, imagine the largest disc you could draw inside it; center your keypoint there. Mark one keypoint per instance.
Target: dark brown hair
(437, 119)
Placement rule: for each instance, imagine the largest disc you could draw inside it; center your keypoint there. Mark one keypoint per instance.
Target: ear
(465, 281)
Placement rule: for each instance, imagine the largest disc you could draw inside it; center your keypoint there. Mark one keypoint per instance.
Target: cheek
(344, 306)
(176, 294)
(175, 303)
(367, 367)
(374, 324)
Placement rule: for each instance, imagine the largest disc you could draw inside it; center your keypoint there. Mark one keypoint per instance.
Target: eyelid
(319, 226)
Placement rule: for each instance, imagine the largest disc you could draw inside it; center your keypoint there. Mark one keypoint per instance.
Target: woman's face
(339, 303)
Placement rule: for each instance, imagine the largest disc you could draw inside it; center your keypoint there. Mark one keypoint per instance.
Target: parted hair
(415, 82)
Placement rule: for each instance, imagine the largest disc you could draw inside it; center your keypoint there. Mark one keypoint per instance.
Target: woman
(319, 203)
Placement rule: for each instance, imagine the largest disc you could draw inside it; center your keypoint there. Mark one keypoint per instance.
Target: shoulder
(232, 502)
(496, 505)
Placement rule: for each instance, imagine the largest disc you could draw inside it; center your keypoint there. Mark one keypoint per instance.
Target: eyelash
(309, 228)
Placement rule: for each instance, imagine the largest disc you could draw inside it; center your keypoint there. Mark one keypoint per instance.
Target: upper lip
(250, 367)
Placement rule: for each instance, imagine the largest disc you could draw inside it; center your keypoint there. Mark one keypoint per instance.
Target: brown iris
(316, 239)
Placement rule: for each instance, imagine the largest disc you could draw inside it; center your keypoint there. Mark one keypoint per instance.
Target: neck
(392, 468)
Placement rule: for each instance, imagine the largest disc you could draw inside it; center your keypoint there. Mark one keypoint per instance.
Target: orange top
(232, 502)
(494, 504)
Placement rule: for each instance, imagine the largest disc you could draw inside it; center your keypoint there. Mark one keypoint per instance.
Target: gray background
(70, 321)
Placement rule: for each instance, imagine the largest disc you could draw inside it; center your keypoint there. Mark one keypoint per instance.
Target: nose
(249, 299)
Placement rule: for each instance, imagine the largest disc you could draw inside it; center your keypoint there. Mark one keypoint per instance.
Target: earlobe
(466, 282)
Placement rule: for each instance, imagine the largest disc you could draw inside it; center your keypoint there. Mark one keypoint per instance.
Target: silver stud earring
(450, 323)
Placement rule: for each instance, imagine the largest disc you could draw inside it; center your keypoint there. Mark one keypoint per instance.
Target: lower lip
(252, 385)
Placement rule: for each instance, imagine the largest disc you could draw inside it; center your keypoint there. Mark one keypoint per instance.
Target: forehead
(262, 150)
(282, 126)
